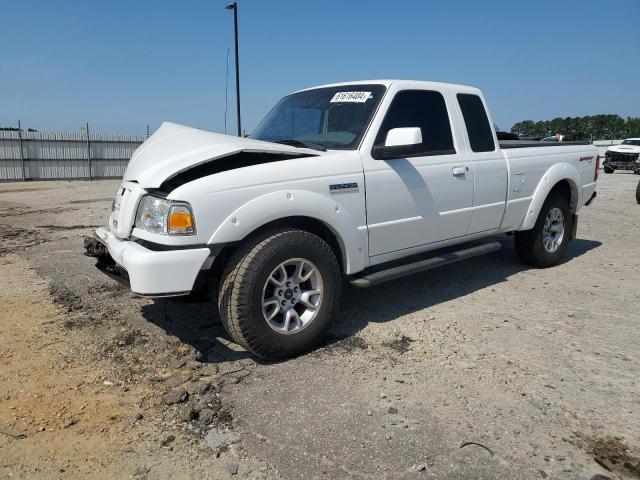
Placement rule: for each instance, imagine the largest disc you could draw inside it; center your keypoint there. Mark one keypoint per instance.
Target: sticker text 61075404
(357, 97)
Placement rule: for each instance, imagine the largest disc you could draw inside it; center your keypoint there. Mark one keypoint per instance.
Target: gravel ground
(483, 369)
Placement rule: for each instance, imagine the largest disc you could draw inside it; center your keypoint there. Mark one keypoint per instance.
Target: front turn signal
(180, 220)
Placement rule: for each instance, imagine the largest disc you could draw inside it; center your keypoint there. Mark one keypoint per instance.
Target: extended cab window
(477, 123)
(424, 109)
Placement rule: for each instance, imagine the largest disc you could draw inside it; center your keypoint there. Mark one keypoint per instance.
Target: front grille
(621, 157)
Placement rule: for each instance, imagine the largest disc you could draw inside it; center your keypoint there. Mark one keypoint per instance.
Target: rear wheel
(279, 292)
(609, 169)
(545, 244)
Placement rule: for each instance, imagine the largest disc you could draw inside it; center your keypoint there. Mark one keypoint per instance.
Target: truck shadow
(418, 292)
(195, 324)
(198, 324)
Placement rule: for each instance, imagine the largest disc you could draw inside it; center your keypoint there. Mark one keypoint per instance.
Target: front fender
(555, 174)
(277, 205)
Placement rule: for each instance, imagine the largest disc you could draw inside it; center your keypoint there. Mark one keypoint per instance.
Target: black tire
(241, 289)
(609, 170)
(638, 193)
(529, 243)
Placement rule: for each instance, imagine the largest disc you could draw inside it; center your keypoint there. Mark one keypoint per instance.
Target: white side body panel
(535, 171)
(491, 174)
(230, 205)
(412, 202)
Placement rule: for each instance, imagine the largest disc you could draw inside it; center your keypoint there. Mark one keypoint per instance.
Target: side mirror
(400, 137)
(399, 143)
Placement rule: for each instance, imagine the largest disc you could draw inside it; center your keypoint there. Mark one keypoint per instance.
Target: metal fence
(50, 156)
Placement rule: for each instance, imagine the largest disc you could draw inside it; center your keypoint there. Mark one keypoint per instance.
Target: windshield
(632, 142)
(332, 117)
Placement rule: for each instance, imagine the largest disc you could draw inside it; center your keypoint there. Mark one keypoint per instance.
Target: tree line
(15, 129)
(593, 127)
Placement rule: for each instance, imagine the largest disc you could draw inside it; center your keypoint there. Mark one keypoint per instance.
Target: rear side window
(425, 109)
(475, 118)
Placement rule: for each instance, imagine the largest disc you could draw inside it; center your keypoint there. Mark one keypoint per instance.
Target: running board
(392, 273)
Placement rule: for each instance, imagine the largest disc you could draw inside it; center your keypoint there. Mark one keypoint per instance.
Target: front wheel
(545, 244)
(609, 169)
(279, 293)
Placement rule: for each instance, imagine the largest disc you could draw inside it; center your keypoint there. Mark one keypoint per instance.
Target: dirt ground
(483, 369)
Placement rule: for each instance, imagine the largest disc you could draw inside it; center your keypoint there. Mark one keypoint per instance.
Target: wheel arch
(304, 210)
(311, 225)
(562, 178)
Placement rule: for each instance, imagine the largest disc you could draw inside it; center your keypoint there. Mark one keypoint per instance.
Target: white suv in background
(625, 156)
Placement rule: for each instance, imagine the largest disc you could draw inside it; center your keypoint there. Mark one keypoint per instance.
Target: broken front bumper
(148, 272)
(622, 161)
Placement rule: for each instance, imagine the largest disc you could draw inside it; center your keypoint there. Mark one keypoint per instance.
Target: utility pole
(226, 93)
(86, 127)
(24, 177)
(234, 6)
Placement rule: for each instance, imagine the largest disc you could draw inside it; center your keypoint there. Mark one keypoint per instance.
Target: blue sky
(121, 65)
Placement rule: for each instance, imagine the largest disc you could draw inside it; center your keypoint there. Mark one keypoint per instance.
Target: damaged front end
(104, 262)
(148, 269)
(177, 149)
(151, 240)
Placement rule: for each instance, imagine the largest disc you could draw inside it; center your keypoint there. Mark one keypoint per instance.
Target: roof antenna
(226, 93)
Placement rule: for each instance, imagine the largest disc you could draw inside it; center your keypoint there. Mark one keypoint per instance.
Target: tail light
(595, 174)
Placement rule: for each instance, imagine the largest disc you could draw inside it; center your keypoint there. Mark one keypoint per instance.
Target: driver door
(425, 197)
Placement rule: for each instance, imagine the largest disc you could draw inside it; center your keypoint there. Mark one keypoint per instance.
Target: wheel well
(568, 190)
(314, 226)
(308, 224)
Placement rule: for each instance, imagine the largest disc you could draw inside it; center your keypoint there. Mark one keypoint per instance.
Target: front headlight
(165, 217)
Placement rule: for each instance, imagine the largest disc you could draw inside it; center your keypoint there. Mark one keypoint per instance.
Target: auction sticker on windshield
(357, 97)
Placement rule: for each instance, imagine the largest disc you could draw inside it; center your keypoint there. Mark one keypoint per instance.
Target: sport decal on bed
(356, 97)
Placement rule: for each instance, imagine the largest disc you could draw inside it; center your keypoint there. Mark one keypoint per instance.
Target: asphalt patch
(613, 455)
(65, 298)
(13, 239)
(400, 344)
(347, 344)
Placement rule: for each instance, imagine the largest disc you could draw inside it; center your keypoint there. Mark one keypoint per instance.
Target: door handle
(459, 170)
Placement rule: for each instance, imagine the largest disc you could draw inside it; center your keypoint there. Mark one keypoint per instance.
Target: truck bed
(529, 143)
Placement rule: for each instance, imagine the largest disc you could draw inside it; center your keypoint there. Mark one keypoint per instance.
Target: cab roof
(401, 85)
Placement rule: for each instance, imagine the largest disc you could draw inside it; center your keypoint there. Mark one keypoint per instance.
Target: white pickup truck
(350, 180)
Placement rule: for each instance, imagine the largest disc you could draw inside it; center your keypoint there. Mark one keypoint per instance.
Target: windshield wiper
(301, 143)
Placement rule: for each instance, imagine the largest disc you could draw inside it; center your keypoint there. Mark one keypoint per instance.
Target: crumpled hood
(625, 149)
(175, 148)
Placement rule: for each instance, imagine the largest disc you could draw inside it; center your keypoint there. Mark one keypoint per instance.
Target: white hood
(174, 148)
(625, 149)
